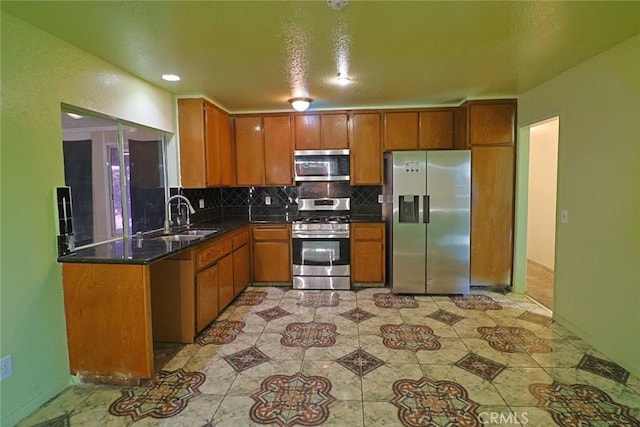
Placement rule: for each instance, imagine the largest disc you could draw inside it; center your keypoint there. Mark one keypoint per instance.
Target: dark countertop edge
(224, 226)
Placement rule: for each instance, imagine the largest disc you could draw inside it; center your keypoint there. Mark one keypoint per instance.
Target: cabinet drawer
(240, 239)
(275, 232)
(212, 253)
(367, 233)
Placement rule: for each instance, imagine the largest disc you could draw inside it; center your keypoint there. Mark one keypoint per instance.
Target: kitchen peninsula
(121, 296)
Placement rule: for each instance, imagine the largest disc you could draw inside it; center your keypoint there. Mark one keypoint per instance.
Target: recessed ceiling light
(74, 116)
(171, 77)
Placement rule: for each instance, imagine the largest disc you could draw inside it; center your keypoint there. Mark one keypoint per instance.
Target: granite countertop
(146, 249)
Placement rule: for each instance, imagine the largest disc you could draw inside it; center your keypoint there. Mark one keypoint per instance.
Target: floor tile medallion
(245, 359)
(409, 337)
(480, 366)
(273, 313)
(357, 315)
(322, 299)
(394, 301)
(310, 334)
(513, 340)
(445, 317)
(360, 362)
(604, 368)
(222, 332)
(581, 405)
(250, 298)
(476, 302)
(434, 403)
(291, 400)
(166, 395)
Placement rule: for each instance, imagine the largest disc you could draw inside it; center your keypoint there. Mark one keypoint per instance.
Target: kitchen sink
(187, 235)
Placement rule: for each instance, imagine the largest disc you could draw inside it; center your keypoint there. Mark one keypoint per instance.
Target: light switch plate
(564, 217)
(201, 203)
(6, 367)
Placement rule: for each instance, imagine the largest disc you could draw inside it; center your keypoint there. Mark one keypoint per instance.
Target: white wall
(543, 173)
(597, 268)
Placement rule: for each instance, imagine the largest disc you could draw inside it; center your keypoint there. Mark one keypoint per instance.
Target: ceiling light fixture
(342, 80)
(74, 116)
(171, 77)
(337, 4)
(300, 104)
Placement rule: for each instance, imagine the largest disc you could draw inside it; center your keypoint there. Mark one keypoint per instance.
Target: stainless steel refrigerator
(427, 197)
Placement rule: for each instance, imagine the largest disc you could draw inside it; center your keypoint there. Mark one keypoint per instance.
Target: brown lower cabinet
(368, 252)
(207, 282)
(271, 252)
(129, 306)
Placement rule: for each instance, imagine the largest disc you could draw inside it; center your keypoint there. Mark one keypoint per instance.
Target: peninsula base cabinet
(115, 312)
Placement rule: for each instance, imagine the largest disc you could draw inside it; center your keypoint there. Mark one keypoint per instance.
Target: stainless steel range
(321, 253)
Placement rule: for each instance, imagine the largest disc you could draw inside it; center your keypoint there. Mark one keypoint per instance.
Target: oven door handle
(322, 235)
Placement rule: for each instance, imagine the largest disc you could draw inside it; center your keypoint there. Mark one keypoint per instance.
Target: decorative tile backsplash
(363, 198)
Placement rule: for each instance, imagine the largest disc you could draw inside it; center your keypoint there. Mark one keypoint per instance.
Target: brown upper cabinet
(437, 129)
(489, 122)
(401, 131)
(205, 144)
(325, 131)
(263, 150)
(366, 149)
(419, 130)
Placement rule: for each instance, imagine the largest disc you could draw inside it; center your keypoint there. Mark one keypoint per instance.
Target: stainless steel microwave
(321, 165)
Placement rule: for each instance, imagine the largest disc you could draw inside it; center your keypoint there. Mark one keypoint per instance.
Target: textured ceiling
(253, 56)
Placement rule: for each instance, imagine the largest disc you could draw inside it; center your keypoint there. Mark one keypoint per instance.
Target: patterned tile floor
(284, 357)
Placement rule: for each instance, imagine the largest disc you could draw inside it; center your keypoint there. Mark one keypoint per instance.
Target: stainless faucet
(167, 212)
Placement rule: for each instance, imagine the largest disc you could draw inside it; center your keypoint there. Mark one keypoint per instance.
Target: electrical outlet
(201, 203)
(267, 200)
(6, 367)
(380, 198)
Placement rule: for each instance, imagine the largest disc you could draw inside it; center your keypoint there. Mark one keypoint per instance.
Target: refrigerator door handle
(425, 203)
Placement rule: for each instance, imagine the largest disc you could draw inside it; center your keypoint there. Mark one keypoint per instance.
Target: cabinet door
(213, 121)
(335, 132)
(401, 131)
(226, 149)
(492, 172)
(492, 122)
(277, 150)
(368, 253)
(437, 130)
(366, 151)
(307, 132)
(271, 261)
(225, 287)
(206, 296)
(367, 265)
(241, 269)
(191, 125)
(249, 151)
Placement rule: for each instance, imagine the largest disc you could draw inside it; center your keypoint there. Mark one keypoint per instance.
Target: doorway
(541, 210)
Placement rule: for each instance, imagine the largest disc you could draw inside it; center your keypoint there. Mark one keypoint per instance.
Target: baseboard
(537, 264)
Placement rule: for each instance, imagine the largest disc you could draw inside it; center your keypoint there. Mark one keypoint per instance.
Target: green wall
(38, 72)
(597, 275)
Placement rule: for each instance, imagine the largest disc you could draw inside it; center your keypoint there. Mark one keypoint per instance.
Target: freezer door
(448, 221)
(408, 229)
